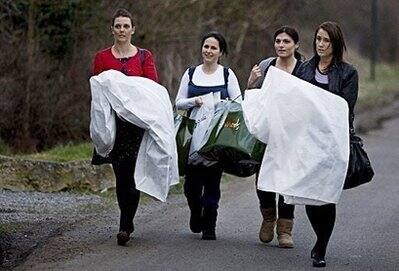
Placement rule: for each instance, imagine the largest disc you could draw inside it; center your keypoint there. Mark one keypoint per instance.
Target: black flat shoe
(122, 238)
(319, 262)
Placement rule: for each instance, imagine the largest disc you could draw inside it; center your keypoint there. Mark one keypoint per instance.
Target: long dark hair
(121, 12)
(336, 39)
(219, 37)
(290, 31)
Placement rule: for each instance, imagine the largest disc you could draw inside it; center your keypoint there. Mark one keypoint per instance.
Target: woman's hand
(198, 101)
(254, 76)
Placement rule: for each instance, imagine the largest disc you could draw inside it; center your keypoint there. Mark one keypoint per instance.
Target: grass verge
(63, 153)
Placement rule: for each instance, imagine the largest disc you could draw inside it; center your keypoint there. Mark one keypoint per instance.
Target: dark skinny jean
(268, 200)
(124, 156)
(202, 186)
(322, 219)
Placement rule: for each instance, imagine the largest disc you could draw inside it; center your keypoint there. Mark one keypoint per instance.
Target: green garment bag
(230, 143)
(185, 127)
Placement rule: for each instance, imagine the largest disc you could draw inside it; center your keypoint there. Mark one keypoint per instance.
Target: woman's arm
(182, 102)
(350, 89)
(233, 88)
(149, 68)
(98, 66)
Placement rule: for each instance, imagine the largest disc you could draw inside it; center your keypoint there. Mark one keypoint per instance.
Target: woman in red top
(132, 61)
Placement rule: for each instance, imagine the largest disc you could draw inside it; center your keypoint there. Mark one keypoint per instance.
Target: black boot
(209, 223)
(196, 220)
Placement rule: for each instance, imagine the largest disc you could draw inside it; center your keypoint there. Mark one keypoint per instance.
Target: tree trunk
(29, 72)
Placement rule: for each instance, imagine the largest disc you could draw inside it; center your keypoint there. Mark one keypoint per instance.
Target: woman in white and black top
(328, 70)
(286, 43)
(202, 183)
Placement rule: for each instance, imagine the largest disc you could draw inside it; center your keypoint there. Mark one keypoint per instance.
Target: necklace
(323, 68)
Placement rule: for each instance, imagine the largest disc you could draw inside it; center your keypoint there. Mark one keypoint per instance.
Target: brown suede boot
(284, 232)
(266, 232)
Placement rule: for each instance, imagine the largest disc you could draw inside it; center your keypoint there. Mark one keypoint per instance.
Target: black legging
(124, 156)
(322, 219)
(268, 200)
(202, 186)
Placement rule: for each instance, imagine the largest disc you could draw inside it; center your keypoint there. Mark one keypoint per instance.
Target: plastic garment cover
(203, 116)
(146, 104)
(307, 135)
(230, 143)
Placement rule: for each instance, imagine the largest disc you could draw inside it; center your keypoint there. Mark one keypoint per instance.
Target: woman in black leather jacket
(326, 69)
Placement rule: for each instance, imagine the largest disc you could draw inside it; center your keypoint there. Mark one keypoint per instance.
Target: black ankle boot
(196, 221)
(209, 224)
(208, 234)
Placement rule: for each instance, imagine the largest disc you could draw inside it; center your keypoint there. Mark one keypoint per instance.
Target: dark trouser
(322, 219)
(268, 200)
(202, 190)
(124, 156)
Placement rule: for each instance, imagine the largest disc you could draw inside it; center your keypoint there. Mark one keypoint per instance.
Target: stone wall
(30, 175)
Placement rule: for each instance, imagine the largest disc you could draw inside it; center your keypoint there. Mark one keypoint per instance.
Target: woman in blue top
(202, 183)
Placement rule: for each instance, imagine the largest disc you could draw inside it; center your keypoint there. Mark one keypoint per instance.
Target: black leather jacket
(343, 80)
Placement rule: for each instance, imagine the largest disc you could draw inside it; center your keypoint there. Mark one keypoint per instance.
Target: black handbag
(359, 168)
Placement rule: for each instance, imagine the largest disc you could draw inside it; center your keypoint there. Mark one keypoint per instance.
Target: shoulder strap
(141, 53)
(191, 73)
(268, 64)
(226, 75)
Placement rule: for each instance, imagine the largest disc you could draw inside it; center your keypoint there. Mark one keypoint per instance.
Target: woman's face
(323, 44)
(211, 50)
(285, 45)
(122, 29)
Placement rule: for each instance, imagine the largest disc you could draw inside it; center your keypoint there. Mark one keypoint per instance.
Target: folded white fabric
(146, 104)
(307, 135)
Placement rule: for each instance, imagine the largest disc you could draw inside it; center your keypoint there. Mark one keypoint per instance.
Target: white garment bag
(306, 130)
(203, 116)
(146, 104)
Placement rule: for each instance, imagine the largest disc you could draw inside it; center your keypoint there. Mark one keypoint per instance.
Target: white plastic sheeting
(146, 104)
(203, 116)
(307, 135)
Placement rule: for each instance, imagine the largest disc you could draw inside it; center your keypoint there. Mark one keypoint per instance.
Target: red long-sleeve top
(141, 64)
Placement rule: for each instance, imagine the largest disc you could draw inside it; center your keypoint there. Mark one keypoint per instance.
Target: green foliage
(64, 153)
(4, 148)
(178, 188)
(381, 91)
(54, 23)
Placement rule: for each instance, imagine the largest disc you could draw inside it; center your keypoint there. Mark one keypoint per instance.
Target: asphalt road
(366, 235)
